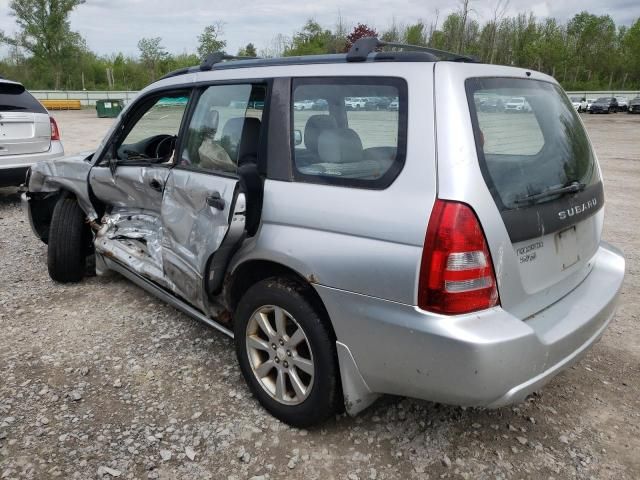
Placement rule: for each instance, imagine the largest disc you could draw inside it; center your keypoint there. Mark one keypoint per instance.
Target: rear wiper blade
(572, 187)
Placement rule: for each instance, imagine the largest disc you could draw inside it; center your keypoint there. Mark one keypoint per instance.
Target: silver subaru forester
(430, 244)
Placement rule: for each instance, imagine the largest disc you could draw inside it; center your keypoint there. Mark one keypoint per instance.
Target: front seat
(316, 124)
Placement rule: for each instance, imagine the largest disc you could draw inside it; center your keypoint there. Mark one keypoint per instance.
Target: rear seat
(341, 154)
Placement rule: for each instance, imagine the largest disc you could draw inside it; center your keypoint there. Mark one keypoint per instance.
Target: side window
(155, 129)
(225, 128)
(349, 131)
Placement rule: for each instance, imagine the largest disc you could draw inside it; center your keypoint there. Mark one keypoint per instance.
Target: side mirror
(297, 137)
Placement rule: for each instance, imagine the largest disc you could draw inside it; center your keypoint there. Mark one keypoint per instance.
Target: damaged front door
(203, 195)
(130, 180)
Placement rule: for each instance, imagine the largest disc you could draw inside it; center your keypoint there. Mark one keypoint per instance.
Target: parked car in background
(320, 104)
(634, 105)
(304, 105)
(590, 102)
(377, 103)
(604, 105)
(437, 253)
(492, 103)
(517, 104)
(355, 103)
(394, 105)
(623, 104)
(579, 103)
(28, 134)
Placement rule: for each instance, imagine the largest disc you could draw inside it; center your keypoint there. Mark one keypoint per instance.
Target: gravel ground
(100, 380)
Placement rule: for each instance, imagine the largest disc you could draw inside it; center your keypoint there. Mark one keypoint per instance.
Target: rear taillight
(456, 274)
(55, 133)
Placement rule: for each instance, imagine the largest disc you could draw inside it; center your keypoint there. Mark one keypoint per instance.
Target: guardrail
(87, 98)
(628, 94)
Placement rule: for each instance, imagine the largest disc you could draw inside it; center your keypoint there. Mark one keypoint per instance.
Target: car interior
(333, 147)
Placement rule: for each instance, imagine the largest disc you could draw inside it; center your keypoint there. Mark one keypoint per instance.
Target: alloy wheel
(280, 355)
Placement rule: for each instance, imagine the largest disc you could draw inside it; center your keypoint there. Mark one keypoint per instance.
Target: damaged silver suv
(437, 250)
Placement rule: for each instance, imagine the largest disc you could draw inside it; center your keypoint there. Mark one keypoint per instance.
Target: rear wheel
(69, 238)
(286, 353)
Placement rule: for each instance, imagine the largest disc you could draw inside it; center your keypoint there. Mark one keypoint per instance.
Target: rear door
(24, 123)
(536, 187)
(202, 193)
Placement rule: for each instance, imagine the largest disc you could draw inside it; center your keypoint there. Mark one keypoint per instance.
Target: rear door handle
(216, 201)
(156, 185)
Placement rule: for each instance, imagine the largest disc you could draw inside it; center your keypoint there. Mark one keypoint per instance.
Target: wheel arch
(41, 205)
(252, 271)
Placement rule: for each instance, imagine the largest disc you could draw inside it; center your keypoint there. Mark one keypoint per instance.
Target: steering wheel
(168, 143)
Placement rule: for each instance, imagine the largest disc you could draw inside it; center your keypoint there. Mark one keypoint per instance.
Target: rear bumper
(24, 161)
(489, 358)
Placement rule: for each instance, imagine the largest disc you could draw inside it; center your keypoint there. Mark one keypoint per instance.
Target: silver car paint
(361, 250)
(192, 230)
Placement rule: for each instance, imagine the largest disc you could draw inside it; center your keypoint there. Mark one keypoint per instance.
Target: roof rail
(362, 47)
(206, 65)
(217, 57)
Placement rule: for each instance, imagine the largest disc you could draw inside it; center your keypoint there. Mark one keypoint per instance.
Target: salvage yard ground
(101, 379)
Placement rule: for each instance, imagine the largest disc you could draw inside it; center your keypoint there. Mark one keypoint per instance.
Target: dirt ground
(101, 380)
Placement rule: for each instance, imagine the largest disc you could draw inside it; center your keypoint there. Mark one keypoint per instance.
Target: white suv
(27, 133)
(434, 251)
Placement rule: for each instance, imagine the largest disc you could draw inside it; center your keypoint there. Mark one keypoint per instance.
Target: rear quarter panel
(364, 241)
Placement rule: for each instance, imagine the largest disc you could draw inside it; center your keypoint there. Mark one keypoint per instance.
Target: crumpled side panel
(134, 239)
(68, 173)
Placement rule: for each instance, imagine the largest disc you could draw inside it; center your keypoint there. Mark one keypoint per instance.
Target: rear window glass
(529, 139)
(349, 131)
(14, 97)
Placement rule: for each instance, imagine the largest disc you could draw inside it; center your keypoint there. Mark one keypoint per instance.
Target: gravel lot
(100, 380)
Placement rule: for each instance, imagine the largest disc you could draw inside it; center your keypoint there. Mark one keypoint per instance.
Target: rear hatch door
(536, 187)
(24, 123)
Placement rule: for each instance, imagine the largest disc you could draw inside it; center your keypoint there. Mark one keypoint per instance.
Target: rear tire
(302, 340)
(69, 238)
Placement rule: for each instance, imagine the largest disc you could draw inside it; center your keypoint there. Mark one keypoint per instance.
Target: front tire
(69, 238)
(286, 353)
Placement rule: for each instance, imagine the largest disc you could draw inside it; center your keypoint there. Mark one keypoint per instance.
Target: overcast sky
(116, 25)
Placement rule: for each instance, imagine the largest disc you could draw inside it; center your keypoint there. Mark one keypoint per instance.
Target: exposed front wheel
(69, 238)
(286, 353)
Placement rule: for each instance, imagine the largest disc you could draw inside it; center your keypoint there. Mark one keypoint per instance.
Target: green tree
(151, 54)
(46, 34)
(311, 40)
(210, 41)
(248, 51)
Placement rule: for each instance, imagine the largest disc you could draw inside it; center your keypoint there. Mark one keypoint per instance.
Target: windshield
(534, 151)
(603, 100)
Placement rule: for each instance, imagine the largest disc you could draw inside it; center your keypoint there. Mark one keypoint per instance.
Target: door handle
(216, 201)
(156, 185)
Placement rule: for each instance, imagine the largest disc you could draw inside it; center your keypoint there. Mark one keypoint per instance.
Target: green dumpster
(109, 108)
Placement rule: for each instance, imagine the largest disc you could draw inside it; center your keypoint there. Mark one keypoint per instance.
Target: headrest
(339, 145)
(242, 136)
(250, 138)
(315, 125)
(233, 129)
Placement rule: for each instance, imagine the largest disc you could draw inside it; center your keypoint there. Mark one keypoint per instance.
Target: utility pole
(83, 88)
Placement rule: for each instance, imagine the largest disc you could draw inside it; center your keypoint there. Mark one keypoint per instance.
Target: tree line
(587, 52)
